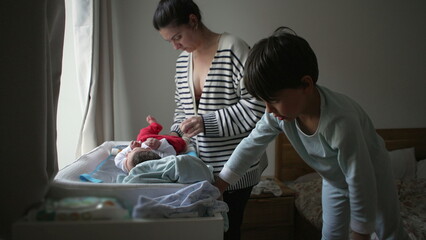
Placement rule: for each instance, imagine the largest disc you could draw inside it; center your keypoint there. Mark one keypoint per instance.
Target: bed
(407, 148)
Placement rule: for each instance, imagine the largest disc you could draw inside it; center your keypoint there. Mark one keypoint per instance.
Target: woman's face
(181, 37)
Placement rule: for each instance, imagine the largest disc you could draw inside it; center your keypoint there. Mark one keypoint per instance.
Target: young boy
(150, 146)
(330, 132)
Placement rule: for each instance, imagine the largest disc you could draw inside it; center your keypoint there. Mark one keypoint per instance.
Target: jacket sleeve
(236, 119)
(242, 116)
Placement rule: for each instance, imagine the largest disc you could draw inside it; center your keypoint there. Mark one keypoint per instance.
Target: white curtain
(94, 61)
(32, 34)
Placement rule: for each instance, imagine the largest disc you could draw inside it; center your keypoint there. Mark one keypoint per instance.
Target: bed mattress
(99, 163)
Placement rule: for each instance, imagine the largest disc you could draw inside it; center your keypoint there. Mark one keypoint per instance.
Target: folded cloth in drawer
(170, 169)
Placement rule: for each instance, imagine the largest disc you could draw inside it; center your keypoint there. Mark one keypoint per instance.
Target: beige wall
(373, 51)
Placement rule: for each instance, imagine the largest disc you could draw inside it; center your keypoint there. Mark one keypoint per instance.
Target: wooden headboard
(289, 166)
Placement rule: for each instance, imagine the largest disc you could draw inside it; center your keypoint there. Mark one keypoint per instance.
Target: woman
(212, 104)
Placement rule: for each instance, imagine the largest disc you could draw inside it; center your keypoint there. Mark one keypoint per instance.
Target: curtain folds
(31, 61)
(95, 65)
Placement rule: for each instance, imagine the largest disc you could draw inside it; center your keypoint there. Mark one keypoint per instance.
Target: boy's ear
(307, 82)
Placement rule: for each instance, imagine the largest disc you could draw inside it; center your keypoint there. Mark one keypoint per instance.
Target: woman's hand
(152, 143)
(192, 126)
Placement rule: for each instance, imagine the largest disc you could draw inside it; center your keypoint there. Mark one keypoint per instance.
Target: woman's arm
(239, 111)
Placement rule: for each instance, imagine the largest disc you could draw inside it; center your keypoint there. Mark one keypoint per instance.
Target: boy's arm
(348, 138)
(248, 151)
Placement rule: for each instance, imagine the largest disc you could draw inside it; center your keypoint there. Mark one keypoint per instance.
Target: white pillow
(403, 163)
(421, 169)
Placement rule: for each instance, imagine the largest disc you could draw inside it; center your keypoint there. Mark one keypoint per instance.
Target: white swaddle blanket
(196, 200)
(170, 169)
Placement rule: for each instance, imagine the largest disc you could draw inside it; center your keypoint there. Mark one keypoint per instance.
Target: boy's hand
(153, 143)
(134, 144)
(220, 184)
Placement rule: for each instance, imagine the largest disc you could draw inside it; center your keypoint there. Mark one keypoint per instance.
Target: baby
(150, 146)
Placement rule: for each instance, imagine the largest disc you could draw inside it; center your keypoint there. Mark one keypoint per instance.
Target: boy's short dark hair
(174, 13)
(279, 62)
(143, 156)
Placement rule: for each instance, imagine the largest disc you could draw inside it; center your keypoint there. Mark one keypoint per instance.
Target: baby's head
(279, 62)
(139, 155)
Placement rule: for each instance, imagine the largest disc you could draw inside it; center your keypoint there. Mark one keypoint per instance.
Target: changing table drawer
(207, 228)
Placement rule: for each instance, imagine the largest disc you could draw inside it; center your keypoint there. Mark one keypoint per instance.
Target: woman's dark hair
(279, 62)
(174, 13)
(143, 156)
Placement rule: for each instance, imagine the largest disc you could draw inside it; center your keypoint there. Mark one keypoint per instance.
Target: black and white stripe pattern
(228, 110)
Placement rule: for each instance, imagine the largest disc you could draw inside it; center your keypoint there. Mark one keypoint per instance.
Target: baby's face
(131, 154)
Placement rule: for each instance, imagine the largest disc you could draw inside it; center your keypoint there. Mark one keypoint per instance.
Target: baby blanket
(172, 169)
(196, 200)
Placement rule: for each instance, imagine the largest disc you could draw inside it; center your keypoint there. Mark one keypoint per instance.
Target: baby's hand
(135, 144)
(153, 143)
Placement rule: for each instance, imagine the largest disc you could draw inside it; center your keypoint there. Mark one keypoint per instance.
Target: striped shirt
(228, 110)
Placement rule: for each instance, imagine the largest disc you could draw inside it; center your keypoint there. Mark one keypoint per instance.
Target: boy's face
(288, 104)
